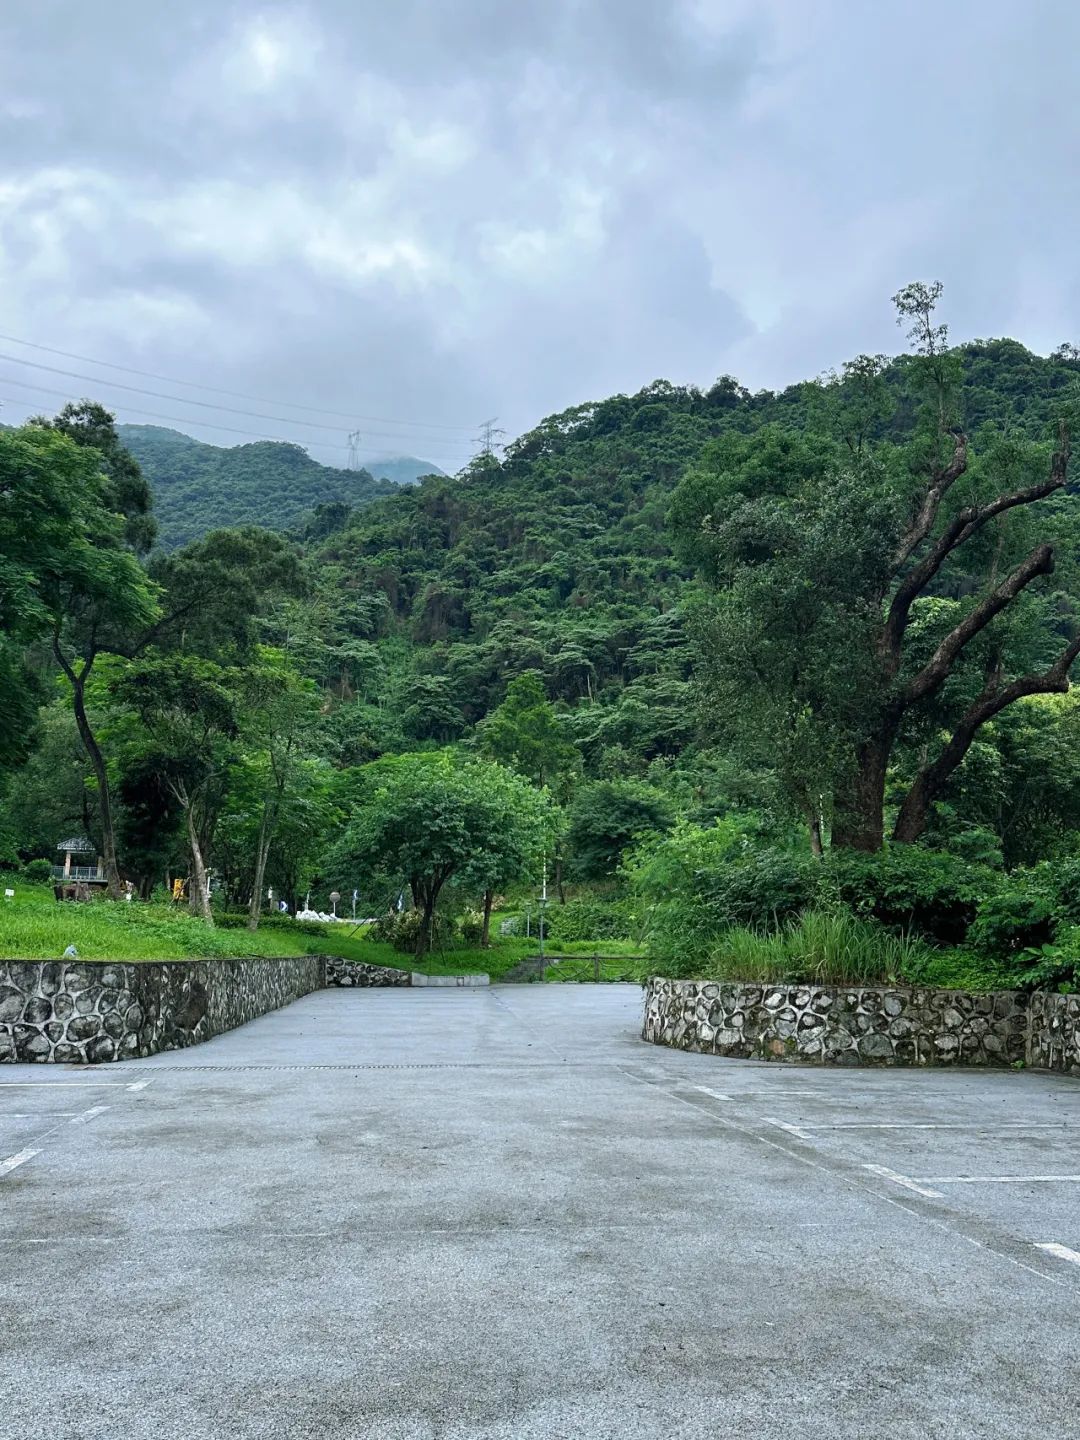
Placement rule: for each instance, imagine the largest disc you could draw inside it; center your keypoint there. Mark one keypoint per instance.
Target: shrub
(590, 920)
(401, 928)
(38, 872)
(695, 883)
(819, 948)
(909, 889)
(1020, 917)
(471, 926)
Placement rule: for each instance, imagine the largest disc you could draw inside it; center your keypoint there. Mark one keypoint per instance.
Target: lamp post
(543, 903)
(335, 896)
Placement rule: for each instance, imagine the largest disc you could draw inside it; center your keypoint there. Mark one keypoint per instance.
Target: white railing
(78, 872)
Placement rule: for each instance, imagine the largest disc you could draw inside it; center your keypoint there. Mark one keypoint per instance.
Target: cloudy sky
(423, 213)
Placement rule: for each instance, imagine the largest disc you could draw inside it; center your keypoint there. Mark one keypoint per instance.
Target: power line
(218, 390)
(202, 404)
(206, 424)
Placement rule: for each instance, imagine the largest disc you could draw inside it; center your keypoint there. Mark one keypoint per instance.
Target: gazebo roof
(78, 845)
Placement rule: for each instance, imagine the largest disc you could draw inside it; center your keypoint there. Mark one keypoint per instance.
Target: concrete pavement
(470, 1215)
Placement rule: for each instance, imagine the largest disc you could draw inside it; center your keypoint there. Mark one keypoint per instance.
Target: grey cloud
(441, 209)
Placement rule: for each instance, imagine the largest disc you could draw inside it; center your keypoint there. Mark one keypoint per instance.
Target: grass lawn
(33, 926)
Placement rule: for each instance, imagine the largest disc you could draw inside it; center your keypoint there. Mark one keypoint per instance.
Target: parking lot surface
(470, 1215)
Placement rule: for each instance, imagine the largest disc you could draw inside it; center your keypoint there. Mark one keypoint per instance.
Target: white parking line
(716, 1094)
(797, 1130)
(88, 1115)
(61, 1085)
(971, 1125)
(35, 1114)
(920, 1187)
(995, 1179)
(1062, 1252)
(140, 1084)
(14, 1161)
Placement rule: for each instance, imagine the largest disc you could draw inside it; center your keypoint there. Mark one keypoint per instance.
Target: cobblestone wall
(78, 1012)
(355, 972)
(1054, 1032)
(813, 1025)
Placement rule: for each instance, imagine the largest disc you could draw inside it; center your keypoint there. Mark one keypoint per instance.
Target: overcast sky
(428, 212)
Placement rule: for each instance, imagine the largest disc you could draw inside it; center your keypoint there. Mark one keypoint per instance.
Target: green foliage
(200, 487)
(38, 872)
(608, 817)
(431, 818)
(818, 948)
(524, 733)
(591, 920)
(913, 890)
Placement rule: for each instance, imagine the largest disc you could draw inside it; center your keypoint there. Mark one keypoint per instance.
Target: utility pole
(354, 450)
(487, 437)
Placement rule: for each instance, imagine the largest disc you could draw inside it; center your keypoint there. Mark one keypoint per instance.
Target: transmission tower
(354, 450)
(487, 438)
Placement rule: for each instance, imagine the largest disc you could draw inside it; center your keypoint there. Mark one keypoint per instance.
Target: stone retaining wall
(809, 1024)
(79, 1012)
(1054, 1032)
(357, 972)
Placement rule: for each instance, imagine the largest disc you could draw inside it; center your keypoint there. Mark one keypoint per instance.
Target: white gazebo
(73, 848)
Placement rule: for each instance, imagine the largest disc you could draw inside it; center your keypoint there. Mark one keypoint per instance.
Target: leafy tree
(813, 642)
(190, 709)
(609, 816)
(524, 734)
(80, 576)
(432, 818)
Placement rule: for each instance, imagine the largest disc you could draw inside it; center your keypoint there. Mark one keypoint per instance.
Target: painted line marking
(60, 1085)
(1062, 1252)
(35, 1114)
(140, 1085)
(14, 1161)
(995, 1179)
(716, 1094)
(905, 1180)
(796, 1130)
(971, 1125)
(88, 1115)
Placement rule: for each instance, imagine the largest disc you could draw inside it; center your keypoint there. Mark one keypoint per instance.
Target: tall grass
(819, 948)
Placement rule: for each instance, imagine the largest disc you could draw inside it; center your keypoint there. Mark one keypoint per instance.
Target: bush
(819, 948)
(401, 929)
(471, 926)
(909, 889)
(37, 872)
(697, 882)
(590, 920)
(1020, 917)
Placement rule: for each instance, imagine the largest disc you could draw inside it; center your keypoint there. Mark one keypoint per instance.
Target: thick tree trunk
(485, 933)
(199, 899)
(815, 836)
(101, 775)
(860, 816)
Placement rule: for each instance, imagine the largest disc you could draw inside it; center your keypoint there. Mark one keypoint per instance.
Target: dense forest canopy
(671, 608)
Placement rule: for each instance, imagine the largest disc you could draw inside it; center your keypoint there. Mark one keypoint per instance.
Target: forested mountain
(199, 487)
(559, 559)
(401, 469)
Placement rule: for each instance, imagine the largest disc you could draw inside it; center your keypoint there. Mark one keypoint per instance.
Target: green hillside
(559, 559)
(199, 487)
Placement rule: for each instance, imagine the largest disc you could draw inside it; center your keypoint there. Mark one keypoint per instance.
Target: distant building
(76, 852)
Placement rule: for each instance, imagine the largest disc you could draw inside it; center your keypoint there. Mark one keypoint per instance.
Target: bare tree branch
(941, 482)
(938, 668)
(964, 524)
(995, 697)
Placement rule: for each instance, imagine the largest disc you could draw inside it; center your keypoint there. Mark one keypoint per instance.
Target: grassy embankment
(33, 926)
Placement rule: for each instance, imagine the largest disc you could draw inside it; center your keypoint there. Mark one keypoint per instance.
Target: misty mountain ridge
(199, 487)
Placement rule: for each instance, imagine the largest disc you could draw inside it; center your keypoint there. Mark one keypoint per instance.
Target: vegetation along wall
(87, 1013)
